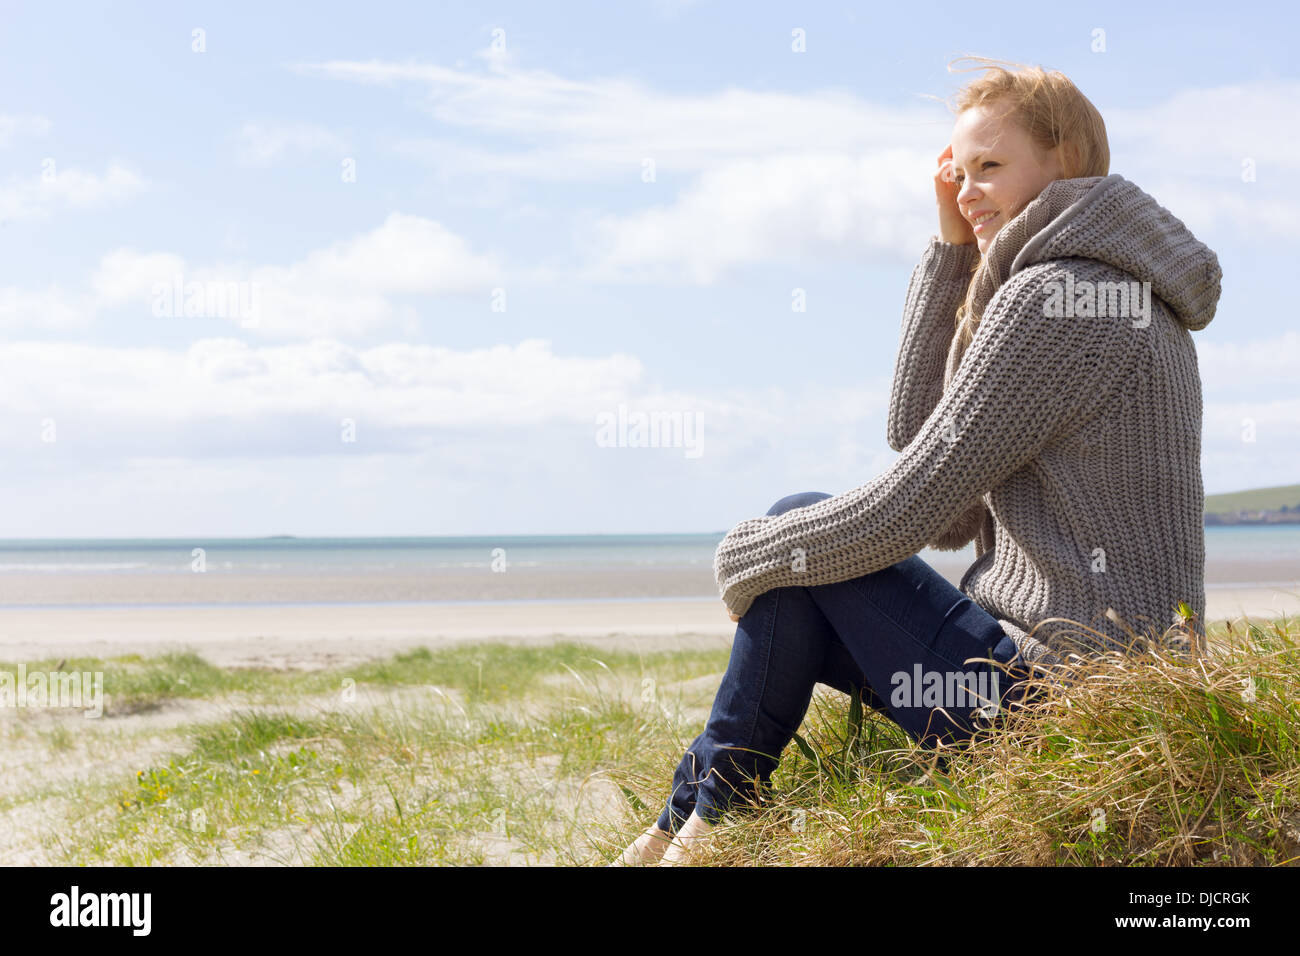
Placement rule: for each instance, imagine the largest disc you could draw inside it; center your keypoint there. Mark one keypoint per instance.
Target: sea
(1232, 545)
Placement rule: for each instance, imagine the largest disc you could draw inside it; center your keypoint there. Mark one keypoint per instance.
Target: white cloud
(49, 309)
(350, 288)
(498, 55)
(782, 176)
(1210, 131)
(261, 144)
(53, 187)
(1251, 423)
(125, 274)
(405, 254)
(1250, 443)
(227, 438)
(570, 130)
(507, 425)
(13, 127)
(1164, 148)
(223, 397)
(1250, 363)
(397, 385)
(778, 209)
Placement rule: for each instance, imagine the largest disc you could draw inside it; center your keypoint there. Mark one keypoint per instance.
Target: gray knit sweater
(1066, 443)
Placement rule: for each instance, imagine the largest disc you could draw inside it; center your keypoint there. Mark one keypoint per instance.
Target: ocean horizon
(355, 554)
(461, 569)
(1265, 543)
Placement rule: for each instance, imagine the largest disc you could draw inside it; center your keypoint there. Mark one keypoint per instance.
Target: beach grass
(1161, 760)
(1254, 499)
(561, 753)
(480, 753)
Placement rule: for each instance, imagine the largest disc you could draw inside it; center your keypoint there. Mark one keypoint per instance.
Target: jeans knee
(799, 500)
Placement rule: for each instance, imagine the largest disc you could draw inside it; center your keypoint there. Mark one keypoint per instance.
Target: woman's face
(998, 169)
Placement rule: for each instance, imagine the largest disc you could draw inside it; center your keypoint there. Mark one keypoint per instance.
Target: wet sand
(66, 589)
(320, 635)
(268, 587)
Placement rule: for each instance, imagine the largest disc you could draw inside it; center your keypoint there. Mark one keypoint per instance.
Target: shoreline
(88, 589)
(308, 636)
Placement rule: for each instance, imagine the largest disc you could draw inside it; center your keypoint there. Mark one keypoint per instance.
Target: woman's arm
(936, 289)
(1024, 378)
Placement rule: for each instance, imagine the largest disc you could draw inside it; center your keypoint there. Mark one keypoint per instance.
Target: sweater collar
(1059, 201)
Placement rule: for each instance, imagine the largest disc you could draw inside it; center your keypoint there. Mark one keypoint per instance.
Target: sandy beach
(322, 635)
(73, 588)
(307, 605)
(69, 588)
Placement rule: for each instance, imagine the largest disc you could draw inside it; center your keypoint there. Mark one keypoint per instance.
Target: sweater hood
(1110, 219)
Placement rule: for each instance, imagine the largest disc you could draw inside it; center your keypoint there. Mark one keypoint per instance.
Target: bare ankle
(649, 847)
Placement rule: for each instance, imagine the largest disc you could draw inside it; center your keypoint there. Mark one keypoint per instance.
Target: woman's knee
(799, 500)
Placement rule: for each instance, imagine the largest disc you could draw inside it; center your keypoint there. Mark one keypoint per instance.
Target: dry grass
(501, 754)
(1168, 758)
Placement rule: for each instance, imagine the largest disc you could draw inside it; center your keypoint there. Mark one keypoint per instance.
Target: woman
(1046, 404)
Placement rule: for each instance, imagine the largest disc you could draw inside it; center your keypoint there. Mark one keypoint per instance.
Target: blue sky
(378, 180)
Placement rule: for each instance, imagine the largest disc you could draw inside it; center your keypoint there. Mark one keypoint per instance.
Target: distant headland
(1277, 505)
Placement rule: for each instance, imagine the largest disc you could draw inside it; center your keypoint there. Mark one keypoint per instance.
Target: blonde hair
(1054, 113)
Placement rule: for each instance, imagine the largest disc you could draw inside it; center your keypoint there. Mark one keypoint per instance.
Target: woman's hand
(734, 540)
(953, 226)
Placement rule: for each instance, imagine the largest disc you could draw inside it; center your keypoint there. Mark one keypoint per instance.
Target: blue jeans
(888, 636)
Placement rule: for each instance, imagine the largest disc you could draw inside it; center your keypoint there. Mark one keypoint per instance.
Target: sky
(416, 269)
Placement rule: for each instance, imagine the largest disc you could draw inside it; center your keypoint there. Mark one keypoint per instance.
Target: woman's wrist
(962, 241)
(948, 261)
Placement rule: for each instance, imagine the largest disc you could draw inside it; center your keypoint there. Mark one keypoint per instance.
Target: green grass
(133, 684)
(1255, 499)
(558, 753)
(469, 776)
(481, 672)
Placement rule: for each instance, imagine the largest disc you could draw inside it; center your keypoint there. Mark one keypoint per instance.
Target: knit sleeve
(936, 289)
(1024, 378)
